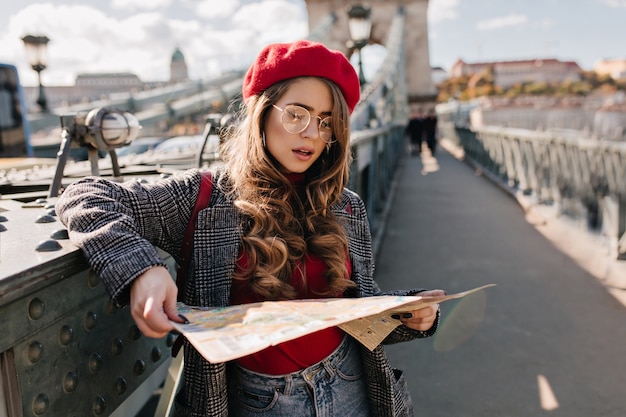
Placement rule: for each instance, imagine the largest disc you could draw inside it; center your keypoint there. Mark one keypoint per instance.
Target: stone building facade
(509, 73)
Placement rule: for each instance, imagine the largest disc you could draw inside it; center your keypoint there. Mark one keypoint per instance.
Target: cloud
(545, 23)
(439, 10)
(502, 22)
(212, 9)
(140, 4)
(616, 4)
(214, 37)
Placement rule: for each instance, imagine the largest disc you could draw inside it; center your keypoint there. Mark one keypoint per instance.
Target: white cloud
(502, 22)
(140, 4)
(268, 22)
(213, 9)
(616, 4)
(546, 23)
(439, 10)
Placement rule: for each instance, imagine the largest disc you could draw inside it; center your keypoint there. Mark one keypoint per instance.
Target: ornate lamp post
(36, 48)
(359, 25)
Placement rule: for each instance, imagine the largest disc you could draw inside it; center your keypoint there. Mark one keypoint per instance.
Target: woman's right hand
(153, 302)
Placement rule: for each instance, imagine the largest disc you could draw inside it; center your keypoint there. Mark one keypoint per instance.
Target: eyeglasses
(296, 119)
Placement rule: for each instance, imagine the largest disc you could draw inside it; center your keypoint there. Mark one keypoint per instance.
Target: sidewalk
(552, 320)
(590, 251)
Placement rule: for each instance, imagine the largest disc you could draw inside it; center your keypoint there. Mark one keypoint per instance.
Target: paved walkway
(549, 339)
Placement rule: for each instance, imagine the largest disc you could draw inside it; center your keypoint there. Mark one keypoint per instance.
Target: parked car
(140, 145)
(184, 149)
(179, 145)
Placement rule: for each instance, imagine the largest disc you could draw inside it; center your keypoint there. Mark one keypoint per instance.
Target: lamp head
(109, 128)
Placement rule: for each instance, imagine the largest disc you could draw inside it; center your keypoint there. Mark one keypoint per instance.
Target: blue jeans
(333, 387)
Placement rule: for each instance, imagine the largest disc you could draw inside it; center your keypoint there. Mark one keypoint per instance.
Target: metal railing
(582, 178)
(376, 153)
(378, 124)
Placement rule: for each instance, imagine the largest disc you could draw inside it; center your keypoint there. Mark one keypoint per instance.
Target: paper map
(226, 333)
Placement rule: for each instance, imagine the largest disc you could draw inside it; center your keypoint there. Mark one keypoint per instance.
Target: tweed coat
(118, 226)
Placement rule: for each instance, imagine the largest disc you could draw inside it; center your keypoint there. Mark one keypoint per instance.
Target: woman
(280, 225)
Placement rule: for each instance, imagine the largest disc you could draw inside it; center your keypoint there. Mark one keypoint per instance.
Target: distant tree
(483, 84)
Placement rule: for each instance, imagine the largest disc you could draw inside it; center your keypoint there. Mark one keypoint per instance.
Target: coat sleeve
(118, 225)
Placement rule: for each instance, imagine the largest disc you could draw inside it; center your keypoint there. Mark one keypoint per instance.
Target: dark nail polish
(184, 318)
(395, 316)
(407, 315)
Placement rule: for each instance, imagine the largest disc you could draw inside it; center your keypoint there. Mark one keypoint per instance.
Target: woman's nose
(312, 130)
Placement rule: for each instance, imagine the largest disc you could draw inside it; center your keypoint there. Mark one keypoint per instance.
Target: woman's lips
(303, 154)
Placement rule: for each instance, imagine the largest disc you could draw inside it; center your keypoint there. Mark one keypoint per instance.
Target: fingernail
(184, 318)
(407, 315)
(395, 316)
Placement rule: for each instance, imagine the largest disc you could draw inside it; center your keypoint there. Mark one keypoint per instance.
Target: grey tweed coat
(118, 226)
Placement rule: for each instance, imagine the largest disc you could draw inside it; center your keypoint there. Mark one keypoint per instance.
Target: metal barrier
(376, 153)
(66, 350)
(582, 178)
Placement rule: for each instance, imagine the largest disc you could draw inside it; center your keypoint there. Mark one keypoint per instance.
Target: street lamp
(359, 25)
(36, 48)
(102, 129)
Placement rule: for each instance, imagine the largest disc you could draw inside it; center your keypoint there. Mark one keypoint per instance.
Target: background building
(616, 68)
(178, 67)
(97, 86)
(509, 73)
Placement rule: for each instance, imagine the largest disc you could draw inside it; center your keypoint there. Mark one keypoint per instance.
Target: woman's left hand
(424, 318)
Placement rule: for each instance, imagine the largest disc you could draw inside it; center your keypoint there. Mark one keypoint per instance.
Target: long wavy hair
(283, 225)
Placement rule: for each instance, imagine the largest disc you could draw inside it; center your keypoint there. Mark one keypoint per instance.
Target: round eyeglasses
(296, 119)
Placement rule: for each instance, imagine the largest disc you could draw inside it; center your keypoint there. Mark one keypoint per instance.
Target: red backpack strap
(186, 250)
(202, 202)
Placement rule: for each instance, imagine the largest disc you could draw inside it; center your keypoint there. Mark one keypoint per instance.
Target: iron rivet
(91, 319)
(40, 404)
(60, 234)
(36, 309)
(92, 279)
(117, 346)
(48, 245)
(120, 386)
(70, 382)
(110, 308)
(95, 363)
(66, 335)
(135, 333)
(99, 405)
(139, 367)
(156, 354)
(35, 351)
(45, 218)
(171, 338)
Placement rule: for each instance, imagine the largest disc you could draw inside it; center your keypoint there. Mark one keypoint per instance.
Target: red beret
(281, 61)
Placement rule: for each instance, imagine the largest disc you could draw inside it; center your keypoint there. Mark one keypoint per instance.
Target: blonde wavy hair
(281, 226)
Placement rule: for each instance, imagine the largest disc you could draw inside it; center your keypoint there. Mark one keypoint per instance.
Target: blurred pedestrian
(415, 132)
(430, 131)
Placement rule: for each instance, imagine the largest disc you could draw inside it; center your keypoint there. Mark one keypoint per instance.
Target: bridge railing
(378, 124)
(376, 153)
(582, 178)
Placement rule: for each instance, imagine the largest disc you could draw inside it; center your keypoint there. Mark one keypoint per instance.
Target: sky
(139, 36)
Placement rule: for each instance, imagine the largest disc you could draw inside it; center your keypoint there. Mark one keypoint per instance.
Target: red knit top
(297, 354)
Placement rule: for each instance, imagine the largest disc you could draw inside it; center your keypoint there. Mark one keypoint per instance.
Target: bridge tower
(419, 81)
